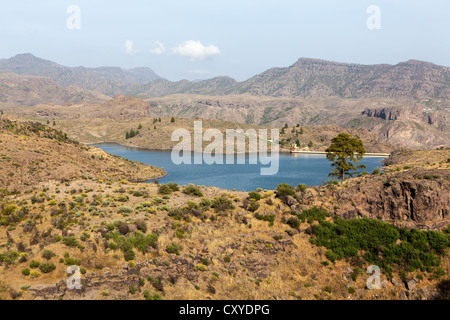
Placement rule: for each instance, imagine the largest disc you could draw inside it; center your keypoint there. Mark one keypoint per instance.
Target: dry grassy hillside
(103, 126)
(71, 206)
(132, 242)
(32, 153)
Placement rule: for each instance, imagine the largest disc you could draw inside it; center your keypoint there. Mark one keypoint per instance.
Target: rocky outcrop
(415, 126)
(385, 113)
(412, 199)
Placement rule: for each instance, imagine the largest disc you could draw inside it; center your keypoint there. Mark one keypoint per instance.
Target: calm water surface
(293, 169)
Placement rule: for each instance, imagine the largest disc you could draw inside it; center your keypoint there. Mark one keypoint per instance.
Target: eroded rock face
(385, 113)
(412, 199)
(415, 126)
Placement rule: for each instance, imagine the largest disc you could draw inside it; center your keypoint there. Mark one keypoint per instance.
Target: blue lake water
(294, 169)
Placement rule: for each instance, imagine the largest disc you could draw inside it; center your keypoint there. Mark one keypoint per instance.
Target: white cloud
(196, 50)
(129, 47)
(160, 49)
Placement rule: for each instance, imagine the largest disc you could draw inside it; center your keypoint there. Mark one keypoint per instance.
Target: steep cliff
(417, 198)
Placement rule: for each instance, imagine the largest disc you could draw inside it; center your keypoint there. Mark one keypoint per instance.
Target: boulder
(411, 284)
(396, 283)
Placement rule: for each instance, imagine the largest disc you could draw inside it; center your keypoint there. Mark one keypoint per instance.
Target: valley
(64, 202)
(153, 241)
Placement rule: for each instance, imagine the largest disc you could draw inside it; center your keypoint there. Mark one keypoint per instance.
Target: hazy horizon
(201, 40)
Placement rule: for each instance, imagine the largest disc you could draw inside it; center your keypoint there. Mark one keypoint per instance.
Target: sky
(199, 39)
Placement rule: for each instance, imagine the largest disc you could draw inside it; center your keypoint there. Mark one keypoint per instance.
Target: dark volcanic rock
(412, 199)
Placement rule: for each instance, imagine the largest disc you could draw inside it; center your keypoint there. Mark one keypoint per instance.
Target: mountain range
(406, 104)
(107, 80)
(307, 78)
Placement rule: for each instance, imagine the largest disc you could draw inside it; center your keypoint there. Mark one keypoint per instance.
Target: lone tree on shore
(344, 152)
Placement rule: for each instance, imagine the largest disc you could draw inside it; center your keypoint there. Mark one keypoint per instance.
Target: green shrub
(266, 217)
(222, 204)
(129, 255)
(72, 261)
(47, 254)
(148, 296)
(139, 193)
(193, 191)
(132, 289)
(123, 198)
(253, 195)
(47, 267)
(293, 222)
(125, 209)
(141, 225)
(332, 182)
(283, 191)
(26, 272)
(168, 188)
(205, 261)
(253, 206)
(173, 249)
(34, 264)
(301, 188)
(127, 243)
(376, 242)
(205, 204)
(9, 209)
(180, 233)
(35, 274)
(328, 289)
(123, 227)
(70, 241)
(314, 214)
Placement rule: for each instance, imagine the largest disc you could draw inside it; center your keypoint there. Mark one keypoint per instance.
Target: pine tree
(344, 152)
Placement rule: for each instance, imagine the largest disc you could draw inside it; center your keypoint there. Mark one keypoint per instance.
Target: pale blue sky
(251, 35)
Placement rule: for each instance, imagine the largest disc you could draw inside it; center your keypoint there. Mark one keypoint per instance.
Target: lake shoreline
(93, 144)
(294, 169)
(282, 150)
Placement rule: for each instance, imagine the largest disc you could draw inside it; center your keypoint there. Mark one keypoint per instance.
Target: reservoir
(309, 169)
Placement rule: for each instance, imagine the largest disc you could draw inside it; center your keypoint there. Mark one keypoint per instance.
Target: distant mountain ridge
(107, 80)
(312, 78)
(307, 78)
(25, 90)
